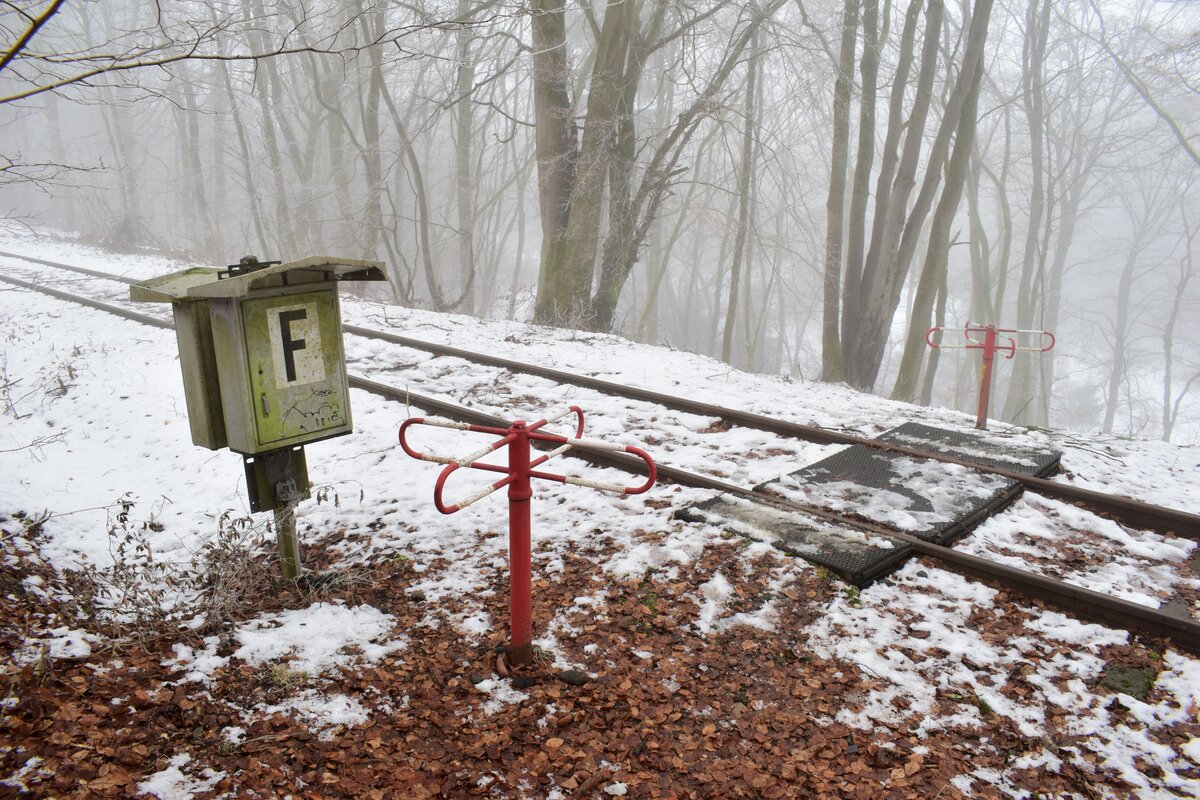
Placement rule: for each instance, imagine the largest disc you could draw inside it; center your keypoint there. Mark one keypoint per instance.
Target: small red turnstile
(519, 472)
(990, 345)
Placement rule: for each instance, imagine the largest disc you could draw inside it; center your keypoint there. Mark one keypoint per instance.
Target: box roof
(203, 283)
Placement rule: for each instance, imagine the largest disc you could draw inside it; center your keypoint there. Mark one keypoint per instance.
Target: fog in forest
(800, 187)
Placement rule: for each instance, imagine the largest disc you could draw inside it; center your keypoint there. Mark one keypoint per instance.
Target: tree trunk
(1020, 387)
(1116, 375)
(620, 243)
(980, 245)
(464, 125)
(881, 269)
(864, 159)
(933, 274)
(199, 219)
(557, 149)
(936, 356)
(1186, 271)
(372, 155)
(831, 346)
(852, 286)
(745, 202)
(247, 161)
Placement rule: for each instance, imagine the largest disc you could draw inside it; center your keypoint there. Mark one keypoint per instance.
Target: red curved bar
(404, 426)
(549, 437)
(974, 344)
(651, 469)
(440, 487)
(517, 476)
(437, 491)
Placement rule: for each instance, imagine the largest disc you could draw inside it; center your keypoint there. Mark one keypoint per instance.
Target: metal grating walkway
(989, 449)
(933, 500)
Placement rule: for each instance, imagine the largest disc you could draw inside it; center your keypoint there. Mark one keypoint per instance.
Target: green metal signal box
(264, 369)
(281, 368)
(261, 350)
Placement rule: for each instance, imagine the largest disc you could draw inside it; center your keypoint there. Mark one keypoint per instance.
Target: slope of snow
(95, 433)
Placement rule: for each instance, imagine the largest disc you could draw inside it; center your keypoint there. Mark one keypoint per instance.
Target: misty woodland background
(795, 186)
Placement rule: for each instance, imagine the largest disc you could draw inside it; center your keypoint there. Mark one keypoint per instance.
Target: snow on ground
(312, 640)
(172, 783)
(924, 623)
(95, 435)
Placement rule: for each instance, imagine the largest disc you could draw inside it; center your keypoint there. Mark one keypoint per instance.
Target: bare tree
(870, 296)
(832, 368)
(740, 261)
(1187, 270)
(580, 234)
(43, 59)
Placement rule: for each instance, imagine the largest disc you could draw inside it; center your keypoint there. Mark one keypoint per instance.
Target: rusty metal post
(985, 380)
(520, 556)
(518, 477)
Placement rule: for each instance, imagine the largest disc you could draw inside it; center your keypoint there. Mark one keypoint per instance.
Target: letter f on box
(290, 345)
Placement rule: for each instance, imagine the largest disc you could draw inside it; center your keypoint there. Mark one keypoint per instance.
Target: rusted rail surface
(1085, 603)
(1132, 512)
(1122, 509)
(94, 273)
(99, 305)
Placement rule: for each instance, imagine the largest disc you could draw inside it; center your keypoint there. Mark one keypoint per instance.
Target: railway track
(1086, 604)
(1122, 509)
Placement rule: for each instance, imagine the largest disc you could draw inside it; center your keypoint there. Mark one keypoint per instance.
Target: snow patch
(173, 783)
(324, 714)
(316, 639)
(500, 693)
(715, 594)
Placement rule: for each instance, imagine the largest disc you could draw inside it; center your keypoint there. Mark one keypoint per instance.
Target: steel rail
(99, 305)
(1135, 513)
(94, 273)
(1086, 603)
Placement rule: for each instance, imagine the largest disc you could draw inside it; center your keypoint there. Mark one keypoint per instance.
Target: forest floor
(149, 650)
(663, 710)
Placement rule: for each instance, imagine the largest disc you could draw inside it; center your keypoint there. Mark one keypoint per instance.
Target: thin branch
(143, 57)
(1143, 91)
(30, 32)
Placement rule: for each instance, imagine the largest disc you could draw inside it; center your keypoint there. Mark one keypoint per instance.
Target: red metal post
(518, 477)
(985, 381)
(520, 567)
(990, 345)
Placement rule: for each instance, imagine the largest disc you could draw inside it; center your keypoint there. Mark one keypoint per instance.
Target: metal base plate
(932, 500)
(269, 473)
(857, 556)
(985, 448)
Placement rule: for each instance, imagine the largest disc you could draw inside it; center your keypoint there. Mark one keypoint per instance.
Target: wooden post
(285, 530)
